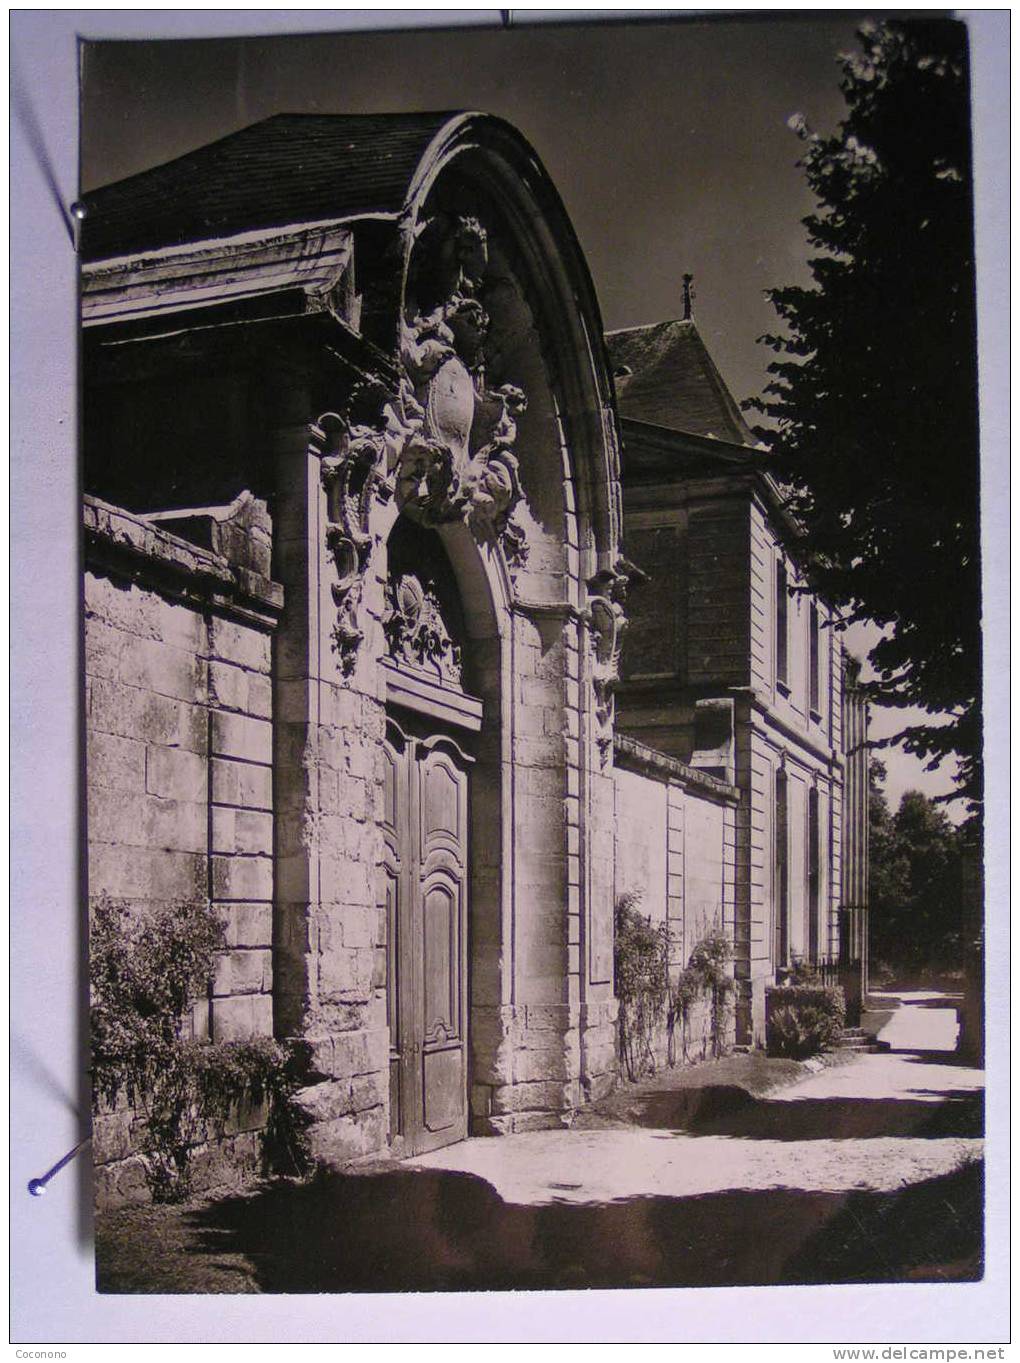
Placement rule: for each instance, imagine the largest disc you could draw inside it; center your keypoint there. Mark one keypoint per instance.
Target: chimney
(688, 296)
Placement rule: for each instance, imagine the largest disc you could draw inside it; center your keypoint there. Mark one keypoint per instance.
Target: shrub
(641, 965)
(708, 962)
(144, 972)
(803, 1019)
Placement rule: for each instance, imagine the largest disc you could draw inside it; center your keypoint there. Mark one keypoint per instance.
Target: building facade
(734, 665)
(355, 602)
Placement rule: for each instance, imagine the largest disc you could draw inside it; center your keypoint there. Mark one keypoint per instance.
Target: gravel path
(878, 1124)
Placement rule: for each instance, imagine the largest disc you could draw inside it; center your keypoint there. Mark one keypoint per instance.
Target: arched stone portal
(492, 433)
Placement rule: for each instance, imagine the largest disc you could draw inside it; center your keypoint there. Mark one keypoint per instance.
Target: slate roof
(665, 376)
(292, 168)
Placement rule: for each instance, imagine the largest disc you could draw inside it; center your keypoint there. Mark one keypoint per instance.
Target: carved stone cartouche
(440, 446)
(416, 633)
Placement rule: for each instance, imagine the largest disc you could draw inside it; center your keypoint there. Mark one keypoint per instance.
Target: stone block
(111, 1136)
(548, 1017)
(537, 720)
(544, 1096)
(235, 643)
(132, 712)
(481, 1101)
(146, 821)
(248, 925)
(241, 736)
(228, 686)
(242, 1016)
(142, 873)
(334, 1098)
(121, 1184)
(359, 927)
(348, 1138)
(241, 784)
(163, 669)
(260, 696)
(548, 1064)
(361, 1052)
(243, 972)
(345, 973)
(241, 830)
(538, 751)
(599, 1086)
(115, 762)
(294, 874)
(237, 877)
(104, 644)
(175, 774)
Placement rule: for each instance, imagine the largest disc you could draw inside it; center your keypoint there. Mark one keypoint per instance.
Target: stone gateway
(356, 601)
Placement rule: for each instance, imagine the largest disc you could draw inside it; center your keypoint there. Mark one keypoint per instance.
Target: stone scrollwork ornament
(607, 620)
(359, 470)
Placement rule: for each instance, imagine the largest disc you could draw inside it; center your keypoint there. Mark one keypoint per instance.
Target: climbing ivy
(648, 997)
(705, 975)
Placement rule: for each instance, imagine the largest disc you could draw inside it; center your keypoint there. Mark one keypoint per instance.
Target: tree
(915, 880)
(873, 401)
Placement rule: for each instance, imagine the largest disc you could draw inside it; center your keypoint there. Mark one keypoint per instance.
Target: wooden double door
(424, 887)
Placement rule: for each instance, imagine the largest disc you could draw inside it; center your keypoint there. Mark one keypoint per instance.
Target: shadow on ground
(406, 1230)
(732, 1111)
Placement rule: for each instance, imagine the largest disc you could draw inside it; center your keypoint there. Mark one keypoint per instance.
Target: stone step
(857, 1039)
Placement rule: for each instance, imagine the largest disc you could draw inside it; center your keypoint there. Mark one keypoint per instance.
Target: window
(782, 872)
(782, 625)
(814, 873)
(814, 651)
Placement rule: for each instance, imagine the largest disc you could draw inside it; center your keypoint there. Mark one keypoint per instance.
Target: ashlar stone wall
(674, 851)
(178, 721)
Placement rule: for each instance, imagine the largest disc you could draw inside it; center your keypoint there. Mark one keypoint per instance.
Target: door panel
(424, 888)
(441, 1013)
(444, 1103)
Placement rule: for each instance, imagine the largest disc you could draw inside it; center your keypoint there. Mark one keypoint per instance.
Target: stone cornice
(131, 546)
(313, 259)
(634, 755)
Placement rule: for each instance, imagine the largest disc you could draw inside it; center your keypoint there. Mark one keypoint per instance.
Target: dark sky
(667, 140)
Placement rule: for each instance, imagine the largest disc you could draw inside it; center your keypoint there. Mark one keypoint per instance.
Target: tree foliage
(873, 399)
(915, 881)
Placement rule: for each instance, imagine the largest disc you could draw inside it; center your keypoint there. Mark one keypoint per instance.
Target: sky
(668, 142)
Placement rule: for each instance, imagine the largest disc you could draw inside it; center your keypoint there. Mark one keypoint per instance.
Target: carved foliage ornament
(440, 446)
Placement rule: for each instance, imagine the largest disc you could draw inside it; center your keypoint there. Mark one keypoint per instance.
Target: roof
(665, 376)
(292, 168)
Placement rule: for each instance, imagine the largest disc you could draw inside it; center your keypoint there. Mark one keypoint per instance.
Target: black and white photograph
(532, 782)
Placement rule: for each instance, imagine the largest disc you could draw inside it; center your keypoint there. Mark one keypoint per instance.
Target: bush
(641, 966)
(803, 1019)
(144, 973)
